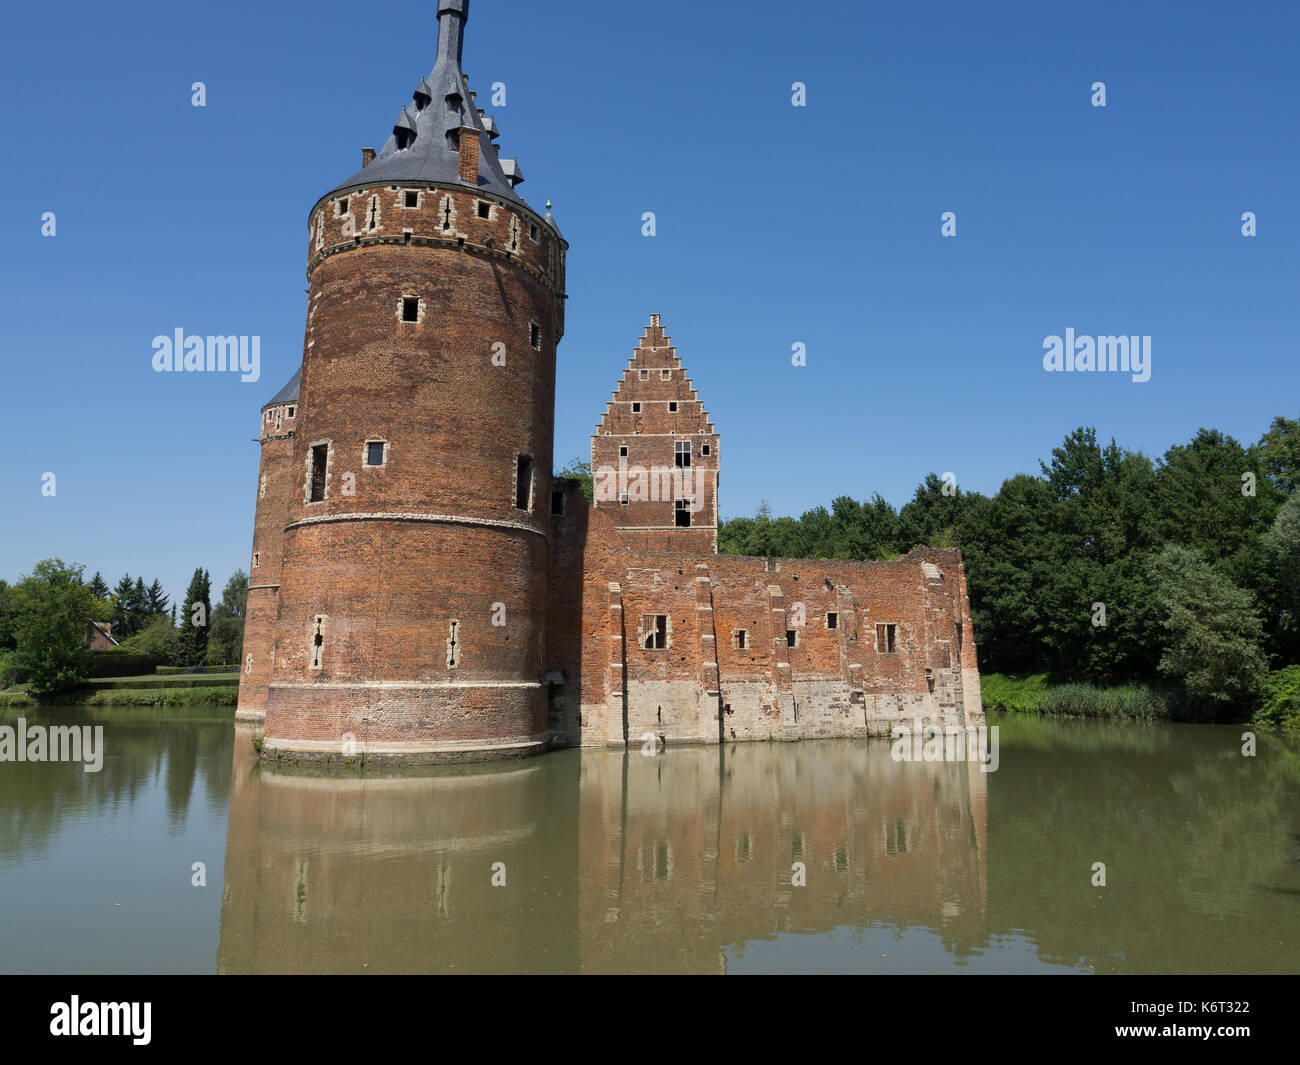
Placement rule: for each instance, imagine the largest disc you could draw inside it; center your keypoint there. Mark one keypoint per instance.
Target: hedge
(120, 664)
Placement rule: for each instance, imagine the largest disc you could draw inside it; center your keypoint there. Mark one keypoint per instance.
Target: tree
(121, 600)
(51, 616)
(1214, 647)
(156, 600)
(196, 617)
(97, 587)
(6, 617)
(227, 635)
(580, 471)
(1280, 450)
(932, 517)
(161, 638)
(1282, 542)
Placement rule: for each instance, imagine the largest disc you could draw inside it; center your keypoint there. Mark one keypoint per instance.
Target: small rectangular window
(557, 502)
(683, 513)
(672, 408)
(886, 639)
(341, 208)
(410, 309)
(654, 631)
(644, 375)
(524, 482)
(257, 558)
(622, 451)
(623, 499)
(636, 408)
(706, 449)
(375, 452)
(291, 410)
(535, 335)
(832, 620)
(682, 454)
(319, 460)
(742, 639)
(772, 566)
(792, 637)
(534, 234)
(665, 375)
(484, 209)
(411, 198)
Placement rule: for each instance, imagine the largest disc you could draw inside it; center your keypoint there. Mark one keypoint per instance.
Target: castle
(422, 589)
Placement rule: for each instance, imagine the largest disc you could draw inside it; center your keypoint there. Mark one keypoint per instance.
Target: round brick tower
(412, 598)
(279, 418)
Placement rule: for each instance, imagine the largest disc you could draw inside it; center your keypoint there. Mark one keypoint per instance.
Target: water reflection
(613, 862)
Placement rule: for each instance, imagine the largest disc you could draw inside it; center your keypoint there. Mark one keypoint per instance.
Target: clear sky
(776, 225)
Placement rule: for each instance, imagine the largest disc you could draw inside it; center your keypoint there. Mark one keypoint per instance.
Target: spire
(452, 16)
(426, 137)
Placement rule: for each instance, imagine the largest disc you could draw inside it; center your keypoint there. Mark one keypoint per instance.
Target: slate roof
(288, 394)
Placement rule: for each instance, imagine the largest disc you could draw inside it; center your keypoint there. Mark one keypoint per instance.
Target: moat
(605, 861)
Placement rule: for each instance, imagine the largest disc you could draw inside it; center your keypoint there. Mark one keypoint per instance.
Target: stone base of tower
(250, 715)
(404, 723)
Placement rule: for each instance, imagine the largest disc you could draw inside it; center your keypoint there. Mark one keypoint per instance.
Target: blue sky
(775, 225)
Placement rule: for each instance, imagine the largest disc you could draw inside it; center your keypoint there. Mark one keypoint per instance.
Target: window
(376, 452)
(742, 639)
(534, 234)
(644, 375)
(257, 558)
(623, 499)
(771, 565)
(706, 450)
(672, 408)
(484, 209)
(411, 198)
(622, 451)
(453, 645)
(654, 631)
(535, 335)
(410, 309)
(886, 639)
(524, 482)
(832, 620)
(665, 375)
(683, 513)
(792, 637)
(291, 410)
(682, 454)
(320, 454)
(341, 208)
(557, 502)
(318, 641)
(636, 408)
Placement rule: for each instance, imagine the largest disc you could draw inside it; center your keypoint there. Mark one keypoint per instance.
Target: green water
(605, 861)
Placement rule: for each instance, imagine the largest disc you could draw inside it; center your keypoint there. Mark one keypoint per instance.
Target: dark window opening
(404, 138)
(484, 209)
(319, 459)
(557, 502)
(682, 454)
(886, 639)
(706, 449)
(317, 643)
(742, 638)
(524, 482)
(291, 410)
(341, 208)
(622, 451)
(412, 199)
(655, 632)
(374, 452)
(636, 408)
(410, 309)
(832, 620)
(792, 637)
(374, 212)
(683, 513)
(446, 214)
(672, 408)
(535, 335)
(534, 233)
(623, 499)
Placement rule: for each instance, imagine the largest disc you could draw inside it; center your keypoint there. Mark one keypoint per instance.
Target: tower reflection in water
(596, 861)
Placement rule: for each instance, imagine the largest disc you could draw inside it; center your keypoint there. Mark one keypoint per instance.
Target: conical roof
(423, 144)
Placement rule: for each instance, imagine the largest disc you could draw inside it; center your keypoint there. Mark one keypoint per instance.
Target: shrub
(1280, 699)
(119, 663)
